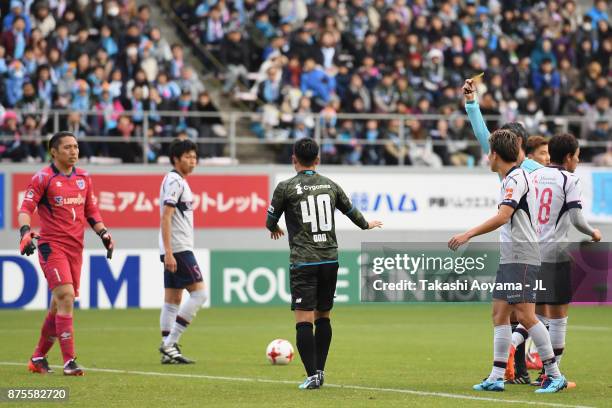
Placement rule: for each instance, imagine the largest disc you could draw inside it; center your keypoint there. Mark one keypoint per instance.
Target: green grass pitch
(388, 355)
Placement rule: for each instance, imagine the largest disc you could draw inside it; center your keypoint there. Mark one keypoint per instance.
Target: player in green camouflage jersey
(309, 201)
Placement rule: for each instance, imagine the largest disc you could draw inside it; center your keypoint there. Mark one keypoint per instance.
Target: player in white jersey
(519, 264)
(528, 162)
(181, 270)
(560, 204)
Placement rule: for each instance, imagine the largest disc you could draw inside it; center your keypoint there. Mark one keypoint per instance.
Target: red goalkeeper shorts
(59, 266)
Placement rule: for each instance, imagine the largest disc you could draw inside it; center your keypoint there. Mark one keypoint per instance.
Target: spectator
(602, 136)
(462, 147)
(547, 83)
(177, 63)
(599, 11)
(395, 149)
(107, 42)
(16, 76)
(17, 11)
(15, 40)
(148, 63)
(317, 83)
(234, 56)
(143, 20)
(183, 104)
(31, 104)
(44, 85)
(599, 112)
(349, 152)
(214, 33)
(293, 11)
(372, 153)
(79, 128)
(81, 97)
(385, 94)
(125, 148)
(328, 53)
(441, 137)
(269, 90)
(207, 126)
(13, 149)
(94, 14)
(31, 140)
(43, 19)
(129, 61)
(112, 18)
(3, 62)
(161, 49)
(356, 90)
(168, 90)
(60, 40)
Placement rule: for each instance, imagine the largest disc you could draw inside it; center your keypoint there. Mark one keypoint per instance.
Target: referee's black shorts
(313, 286)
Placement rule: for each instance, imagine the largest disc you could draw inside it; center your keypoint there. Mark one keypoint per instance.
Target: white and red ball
(279, 352)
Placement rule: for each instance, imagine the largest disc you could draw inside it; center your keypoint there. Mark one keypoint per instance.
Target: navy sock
(305, 342)
(323, 337)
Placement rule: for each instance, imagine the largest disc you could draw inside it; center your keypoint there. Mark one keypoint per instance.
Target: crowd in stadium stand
(298, 57)
(103, 57)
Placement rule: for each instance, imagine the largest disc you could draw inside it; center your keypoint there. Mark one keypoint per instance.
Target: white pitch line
(350, 387)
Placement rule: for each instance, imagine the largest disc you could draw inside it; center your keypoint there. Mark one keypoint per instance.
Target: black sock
(520, 366)
(306, 346)
(323, 336)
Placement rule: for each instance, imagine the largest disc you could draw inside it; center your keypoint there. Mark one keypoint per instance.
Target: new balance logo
(298, 300)
(65, 336)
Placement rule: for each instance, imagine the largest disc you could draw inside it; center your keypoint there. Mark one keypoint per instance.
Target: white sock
(185, 315)
(544, 320)
(502, 337)
(519, 335)
(541, 339)
(557, 330)
(167, 317)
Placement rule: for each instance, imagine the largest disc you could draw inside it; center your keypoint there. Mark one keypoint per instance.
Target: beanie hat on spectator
(435, 53)
(16, 4)
(482, 10)
(416, 56)
(8, 115)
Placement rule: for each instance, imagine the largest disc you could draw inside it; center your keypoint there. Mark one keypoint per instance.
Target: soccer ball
(279, 352)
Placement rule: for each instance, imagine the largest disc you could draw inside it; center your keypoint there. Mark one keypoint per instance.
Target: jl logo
(298, 189)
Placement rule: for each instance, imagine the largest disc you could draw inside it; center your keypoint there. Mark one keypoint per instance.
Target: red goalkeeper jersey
(65, 203)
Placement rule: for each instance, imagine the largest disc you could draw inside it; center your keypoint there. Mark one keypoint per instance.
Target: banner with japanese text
(132, 201)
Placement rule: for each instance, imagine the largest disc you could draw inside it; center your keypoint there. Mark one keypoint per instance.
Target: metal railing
(238, 127)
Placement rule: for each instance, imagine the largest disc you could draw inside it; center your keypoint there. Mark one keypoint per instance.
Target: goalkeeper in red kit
(64, 197)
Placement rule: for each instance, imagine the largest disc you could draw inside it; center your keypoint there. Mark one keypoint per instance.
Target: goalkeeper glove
(26, 243)
(107, 240)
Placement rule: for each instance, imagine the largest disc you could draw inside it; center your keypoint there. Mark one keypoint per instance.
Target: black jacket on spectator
(234, 53)
(78, 48)
(115, 24)
(303, 50)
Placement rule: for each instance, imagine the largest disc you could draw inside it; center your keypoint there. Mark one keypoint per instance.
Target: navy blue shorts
(515, 275)
(187, 271)
(556, 278)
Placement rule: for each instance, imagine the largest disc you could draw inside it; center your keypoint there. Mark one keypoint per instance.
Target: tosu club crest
(80, 184)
